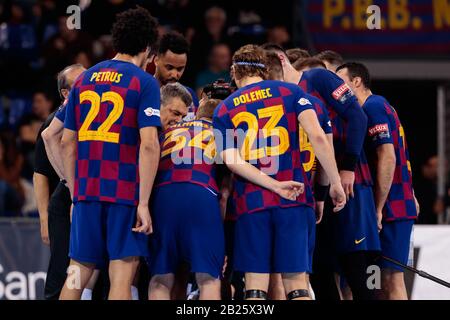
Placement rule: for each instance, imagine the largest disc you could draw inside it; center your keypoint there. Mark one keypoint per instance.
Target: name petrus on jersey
(342, 93)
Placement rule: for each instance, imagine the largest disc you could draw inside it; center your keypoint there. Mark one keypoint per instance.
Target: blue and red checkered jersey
(188, 155)
(340, 102)
(192, 109)
(261, 121)
(307, 154)
(108, 105)
(385, 127)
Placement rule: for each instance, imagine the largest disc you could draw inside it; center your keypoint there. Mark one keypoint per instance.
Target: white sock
(87, 294)
(134, 293)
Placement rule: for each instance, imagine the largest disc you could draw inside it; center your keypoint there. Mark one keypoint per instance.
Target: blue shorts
(395, 241)
(277, 240)
(355, 226)
(101, 231)
(187, 228)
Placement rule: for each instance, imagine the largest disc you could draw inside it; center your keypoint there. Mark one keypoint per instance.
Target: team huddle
(288, 187)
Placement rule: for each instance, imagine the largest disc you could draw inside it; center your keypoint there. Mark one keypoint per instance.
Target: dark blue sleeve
(195, 100)
(70, 118)
(341, 99)
(223, 129)
(379, 128)
(149, 105)
(324, 119)
(61, 113)
(302, 100)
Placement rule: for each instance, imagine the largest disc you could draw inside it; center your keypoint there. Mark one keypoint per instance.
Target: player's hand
(379, 220)
(338, 196)
(44, 231)
(347, 180)
(71, 212)
(143, 220)
(417, 205)
(289, 190)
(319, 211)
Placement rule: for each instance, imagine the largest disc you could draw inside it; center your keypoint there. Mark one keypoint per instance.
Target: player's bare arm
(69, 154)
(321, 179)
(324, 152)
(385, 174)
(42, 194)
(148, 166)
(52, 136)
(287, 189)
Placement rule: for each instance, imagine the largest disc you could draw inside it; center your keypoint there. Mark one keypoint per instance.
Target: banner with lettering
(23, 260)
(406, 28)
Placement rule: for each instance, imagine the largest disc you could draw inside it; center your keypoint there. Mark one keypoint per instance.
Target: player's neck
(363, 95)
(127, 58)
(293, 76)
(249, 80)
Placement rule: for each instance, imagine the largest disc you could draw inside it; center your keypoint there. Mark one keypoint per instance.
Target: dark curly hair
(174, 42)
(134, 31)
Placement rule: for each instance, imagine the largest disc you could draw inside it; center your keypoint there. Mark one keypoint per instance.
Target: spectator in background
(214, 31)
(279, 35)
(43, 105)
(331, 59)
(426, 193)
(219, 65)
(11, 163)
(18, 46)
(297, 54)
(10, 203)
(65, 47)
(28, 130)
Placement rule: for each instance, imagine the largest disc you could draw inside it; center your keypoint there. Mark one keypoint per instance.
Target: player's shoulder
(285, 87)
(316, 102)
(317, 74)
(375, 103)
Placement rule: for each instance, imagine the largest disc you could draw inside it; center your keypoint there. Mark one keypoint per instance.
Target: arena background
(409, 59)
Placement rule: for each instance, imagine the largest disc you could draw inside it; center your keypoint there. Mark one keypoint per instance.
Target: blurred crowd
(35, 44)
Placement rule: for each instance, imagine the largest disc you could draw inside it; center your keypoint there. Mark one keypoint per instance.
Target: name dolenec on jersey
(267, 114)
(107, 106)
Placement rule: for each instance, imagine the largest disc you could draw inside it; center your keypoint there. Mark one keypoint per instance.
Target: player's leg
(202, 240)
(209, 286)
(395, 242)
(294, 236)
(125, 248)
(87, 292)
(256, 285)
(121, 275)
(296, 286)
(78, 276)
(358, 241)
(276, 287)
(87, 247)
(161, 286)
(253, 233)
(393, 285)
(165, 258)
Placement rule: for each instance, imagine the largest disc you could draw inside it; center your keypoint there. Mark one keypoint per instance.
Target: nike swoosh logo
(359, 241)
